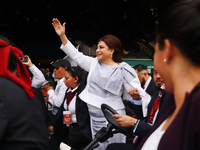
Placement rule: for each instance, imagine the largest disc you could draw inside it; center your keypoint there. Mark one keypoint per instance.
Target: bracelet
(134, 125)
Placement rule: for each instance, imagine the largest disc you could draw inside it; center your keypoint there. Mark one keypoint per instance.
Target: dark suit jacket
(143, 127)
(22, 125)
(184, 131)
(151, 89)
(83, 119)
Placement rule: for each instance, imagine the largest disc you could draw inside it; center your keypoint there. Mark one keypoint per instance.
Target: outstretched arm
(60, 30)
(38, 77)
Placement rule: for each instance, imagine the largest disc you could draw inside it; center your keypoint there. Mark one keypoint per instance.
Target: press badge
(67, 118)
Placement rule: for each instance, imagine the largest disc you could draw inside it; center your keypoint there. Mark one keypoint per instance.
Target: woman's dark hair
(181, 25)
(78, 72)
(113, 43)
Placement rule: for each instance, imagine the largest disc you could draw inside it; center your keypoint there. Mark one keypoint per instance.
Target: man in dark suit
(22, 123)
(146, 80)
(142, 126)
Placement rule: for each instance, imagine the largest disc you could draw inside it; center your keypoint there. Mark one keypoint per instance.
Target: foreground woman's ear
(168, 50)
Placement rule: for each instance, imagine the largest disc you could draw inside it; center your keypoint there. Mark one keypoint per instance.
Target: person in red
(142, 126)
(22, 123)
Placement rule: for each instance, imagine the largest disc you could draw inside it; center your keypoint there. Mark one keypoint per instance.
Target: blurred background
(27, 24)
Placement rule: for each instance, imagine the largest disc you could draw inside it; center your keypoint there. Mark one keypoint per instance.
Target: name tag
(67, 118)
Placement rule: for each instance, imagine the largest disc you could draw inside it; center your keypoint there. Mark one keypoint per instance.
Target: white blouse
(106, 83)
(72, 106)
(154, 139)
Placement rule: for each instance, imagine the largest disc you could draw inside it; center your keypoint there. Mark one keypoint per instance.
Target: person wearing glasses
(56, 96)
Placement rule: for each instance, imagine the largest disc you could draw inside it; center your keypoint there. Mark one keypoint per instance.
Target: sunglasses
(57, 68)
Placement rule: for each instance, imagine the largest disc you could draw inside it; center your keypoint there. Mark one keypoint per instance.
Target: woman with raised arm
(108, 78)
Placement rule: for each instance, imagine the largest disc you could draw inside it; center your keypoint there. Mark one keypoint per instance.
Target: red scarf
(24, 79)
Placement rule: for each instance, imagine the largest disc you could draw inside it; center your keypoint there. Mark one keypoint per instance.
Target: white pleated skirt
(98, 121)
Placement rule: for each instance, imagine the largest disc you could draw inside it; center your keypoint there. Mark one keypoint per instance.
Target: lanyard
(70, 96)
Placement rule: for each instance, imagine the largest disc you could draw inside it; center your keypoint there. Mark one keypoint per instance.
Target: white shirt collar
(72, 90)
(61, 80)
(147, 83)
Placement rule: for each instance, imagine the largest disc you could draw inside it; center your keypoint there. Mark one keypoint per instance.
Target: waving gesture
(60, 30)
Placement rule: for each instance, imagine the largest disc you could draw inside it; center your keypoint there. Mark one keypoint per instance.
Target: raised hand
(29, 62)
(60, 29)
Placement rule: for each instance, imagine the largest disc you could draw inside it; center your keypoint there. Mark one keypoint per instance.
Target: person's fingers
(116, 116)
(64, 24)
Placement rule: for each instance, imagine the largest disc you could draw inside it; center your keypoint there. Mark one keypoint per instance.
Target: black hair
(78, 72)
(181, 25)
(12, 62)
(140, 67)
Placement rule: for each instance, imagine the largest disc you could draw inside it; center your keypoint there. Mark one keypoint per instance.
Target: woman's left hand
(60, 29)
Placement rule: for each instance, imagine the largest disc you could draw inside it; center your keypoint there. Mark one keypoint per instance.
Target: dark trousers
(75, 139)
(121, 146)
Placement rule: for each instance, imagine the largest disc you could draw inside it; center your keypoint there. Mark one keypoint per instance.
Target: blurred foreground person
(22, 125)
(177, 60)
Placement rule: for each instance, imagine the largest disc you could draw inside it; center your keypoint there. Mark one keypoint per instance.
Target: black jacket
(151, 89)
(83, 119)
(22, 123)
(143, 127)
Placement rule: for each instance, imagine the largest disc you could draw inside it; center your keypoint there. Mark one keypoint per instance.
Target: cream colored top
(154, 139)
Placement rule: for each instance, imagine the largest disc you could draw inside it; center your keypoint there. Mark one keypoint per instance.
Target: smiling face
(103, 52)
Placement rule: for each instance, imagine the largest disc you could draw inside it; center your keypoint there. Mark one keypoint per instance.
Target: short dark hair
(140, 67)
(181, 25)
(113, 43)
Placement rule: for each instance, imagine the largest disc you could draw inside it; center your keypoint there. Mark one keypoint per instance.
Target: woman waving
(108, 78)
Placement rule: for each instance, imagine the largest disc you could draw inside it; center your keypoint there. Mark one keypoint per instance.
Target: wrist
(30, 65)
(64, 39)
(135, 123)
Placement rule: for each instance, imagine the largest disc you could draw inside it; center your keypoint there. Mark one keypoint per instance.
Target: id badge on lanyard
(67, 118)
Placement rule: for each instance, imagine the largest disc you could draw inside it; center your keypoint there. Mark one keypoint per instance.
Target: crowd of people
(40, 109)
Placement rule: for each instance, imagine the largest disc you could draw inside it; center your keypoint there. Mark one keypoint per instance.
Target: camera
(24, 59)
